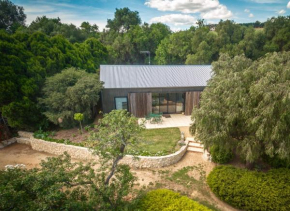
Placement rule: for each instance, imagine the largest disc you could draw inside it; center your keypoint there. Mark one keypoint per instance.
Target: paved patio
(175, 120)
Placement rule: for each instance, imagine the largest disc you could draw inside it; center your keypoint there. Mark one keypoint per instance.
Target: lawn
(157, 142)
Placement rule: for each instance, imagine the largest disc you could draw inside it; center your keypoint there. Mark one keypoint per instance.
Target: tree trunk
(115, 163)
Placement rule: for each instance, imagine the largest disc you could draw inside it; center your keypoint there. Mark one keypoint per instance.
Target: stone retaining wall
(154, 161)
(75, 152)
(84, 153)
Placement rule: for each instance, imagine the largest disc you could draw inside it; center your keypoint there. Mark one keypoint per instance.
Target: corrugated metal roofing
(154, 76)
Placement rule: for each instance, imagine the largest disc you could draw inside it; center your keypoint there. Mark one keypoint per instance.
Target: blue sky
(178, 14)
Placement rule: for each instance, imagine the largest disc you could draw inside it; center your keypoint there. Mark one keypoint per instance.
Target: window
(168, 102)
(121, 103)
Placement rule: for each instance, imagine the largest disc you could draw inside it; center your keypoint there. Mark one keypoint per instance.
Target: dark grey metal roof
(154, 76)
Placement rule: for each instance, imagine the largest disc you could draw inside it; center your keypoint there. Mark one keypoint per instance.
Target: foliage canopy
(11, 16)
(62, 185)
(246, 107)
(69, 92)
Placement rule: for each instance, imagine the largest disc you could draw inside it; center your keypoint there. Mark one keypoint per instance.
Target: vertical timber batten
(140, 104)
(191, 100)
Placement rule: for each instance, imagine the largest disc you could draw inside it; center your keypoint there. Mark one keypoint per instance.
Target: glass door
(163, 103)
(171, 103)
(168, 103)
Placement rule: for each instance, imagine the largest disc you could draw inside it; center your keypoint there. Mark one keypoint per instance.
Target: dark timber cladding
(140, 104)
(191, 100)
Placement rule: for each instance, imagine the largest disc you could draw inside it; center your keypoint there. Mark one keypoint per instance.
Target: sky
(178, 14)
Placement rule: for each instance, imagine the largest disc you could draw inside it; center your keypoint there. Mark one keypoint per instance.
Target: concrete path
(175, 120)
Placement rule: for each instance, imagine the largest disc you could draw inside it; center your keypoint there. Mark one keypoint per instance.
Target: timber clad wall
(140, 104)
(191, 100)
(108, 95)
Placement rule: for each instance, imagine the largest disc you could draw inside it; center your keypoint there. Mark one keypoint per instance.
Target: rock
(181, 143)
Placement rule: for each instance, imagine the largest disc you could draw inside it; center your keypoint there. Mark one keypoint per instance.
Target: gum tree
(245, 107)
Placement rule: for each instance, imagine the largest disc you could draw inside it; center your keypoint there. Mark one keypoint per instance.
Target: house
(144, 89)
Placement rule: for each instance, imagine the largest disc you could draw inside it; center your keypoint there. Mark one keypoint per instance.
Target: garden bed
(157, 142)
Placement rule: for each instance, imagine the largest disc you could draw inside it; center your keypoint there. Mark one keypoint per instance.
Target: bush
(40, 134)
(163, 199)
(220, 154)
(276, 162)
(251, 190)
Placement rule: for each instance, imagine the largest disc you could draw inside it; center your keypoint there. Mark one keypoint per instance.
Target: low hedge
(163, 199)
(252, 190)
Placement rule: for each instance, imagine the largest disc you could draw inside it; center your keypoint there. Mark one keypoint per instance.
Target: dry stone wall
(84, 153)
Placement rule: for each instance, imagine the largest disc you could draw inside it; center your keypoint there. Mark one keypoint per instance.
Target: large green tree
(69, 92)
(246, 107)
(54, 26)
(27, 59)
(125, 48)
(11, 16)
(124, 18)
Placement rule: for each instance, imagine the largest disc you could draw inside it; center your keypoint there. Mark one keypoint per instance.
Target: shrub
(276, 162)
(163, 199)
(252, 190)
(220, 154)
(40, 134)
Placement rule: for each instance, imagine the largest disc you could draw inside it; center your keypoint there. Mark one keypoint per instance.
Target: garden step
(195, 144)
(21, 140)
(194, 149)
(191, 139)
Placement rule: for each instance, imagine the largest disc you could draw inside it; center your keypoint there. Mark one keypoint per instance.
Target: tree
(175, 48)
(79, 117)
(11, 16)
(246, 107)
(200, 23)
(116, 131)
(60, 184)
(124, 18)
(54, 26)
(69, 92)
(27, 59)
(203, 55)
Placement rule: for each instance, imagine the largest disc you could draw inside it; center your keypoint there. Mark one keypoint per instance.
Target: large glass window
(168, 102)
(155, 103)
(180, 102)
(121, 103)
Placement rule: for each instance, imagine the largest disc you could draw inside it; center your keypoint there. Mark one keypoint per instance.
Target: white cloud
(209, 9)
(221, 12)
(247, 10)
(281, 12)
(288, 5)
(175, 19)
(251, 15)
(68, 13)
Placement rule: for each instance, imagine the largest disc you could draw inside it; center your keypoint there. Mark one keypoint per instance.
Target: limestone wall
(154, 161)
(86, 154)
(58, 149)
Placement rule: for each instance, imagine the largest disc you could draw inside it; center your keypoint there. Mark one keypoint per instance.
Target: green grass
(157, 141)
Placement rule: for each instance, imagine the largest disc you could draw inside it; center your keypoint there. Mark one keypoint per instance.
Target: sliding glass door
(168, 103)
